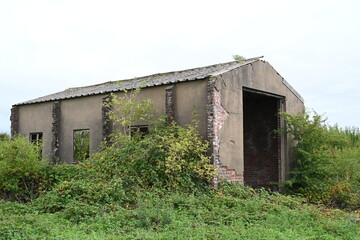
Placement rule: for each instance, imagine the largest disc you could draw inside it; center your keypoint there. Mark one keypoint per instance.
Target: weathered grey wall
(226, 116)
(37, 118)
(86, 113)
(259, 76)
(155, 94)
(230, 136)
(188, 97)
(191, 97)
(77, 114)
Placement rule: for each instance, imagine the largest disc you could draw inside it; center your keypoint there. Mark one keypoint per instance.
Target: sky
(49, 46)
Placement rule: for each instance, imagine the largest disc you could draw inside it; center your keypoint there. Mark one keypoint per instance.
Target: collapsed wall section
(218, 117)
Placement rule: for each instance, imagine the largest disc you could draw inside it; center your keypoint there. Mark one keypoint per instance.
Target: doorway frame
(282, 137)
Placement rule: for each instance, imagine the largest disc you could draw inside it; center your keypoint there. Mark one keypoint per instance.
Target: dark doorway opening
(262, 146)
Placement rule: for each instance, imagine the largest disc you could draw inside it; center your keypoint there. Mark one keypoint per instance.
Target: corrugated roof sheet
(143, 82)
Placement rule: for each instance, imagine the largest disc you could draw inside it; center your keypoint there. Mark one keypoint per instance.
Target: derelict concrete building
(237, 105)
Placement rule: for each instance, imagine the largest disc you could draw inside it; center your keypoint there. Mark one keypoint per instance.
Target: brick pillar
(170, 103)
(55, 130)
(106, 122)
(14, 118)
(211, 120)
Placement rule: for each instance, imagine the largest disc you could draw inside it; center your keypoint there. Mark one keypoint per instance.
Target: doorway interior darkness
(262, 146)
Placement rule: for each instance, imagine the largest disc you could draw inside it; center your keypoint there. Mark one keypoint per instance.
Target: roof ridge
(190, 69)
(162, 73)
(150, 81)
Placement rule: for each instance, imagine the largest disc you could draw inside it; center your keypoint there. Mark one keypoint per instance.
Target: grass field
(231, 213)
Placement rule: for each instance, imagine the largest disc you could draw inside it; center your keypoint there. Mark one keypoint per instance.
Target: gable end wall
(259, 76)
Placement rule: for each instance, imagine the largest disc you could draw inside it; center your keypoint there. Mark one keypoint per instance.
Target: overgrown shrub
(4, 137)
(20, 169)
(170, 156)
(327, 161)
(23, 175)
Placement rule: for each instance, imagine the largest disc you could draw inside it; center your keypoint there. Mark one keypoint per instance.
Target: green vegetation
(20, 169)
(169, 157)
(81, 145)
(234, 212)
(327, 168)
(239, 58)
(156, 186)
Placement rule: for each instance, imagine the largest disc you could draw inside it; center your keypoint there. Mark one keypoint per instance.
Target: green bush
(4, 137)
(327, 161)
(344, 182)
(170, 156)
(23, 176)
(20, 170)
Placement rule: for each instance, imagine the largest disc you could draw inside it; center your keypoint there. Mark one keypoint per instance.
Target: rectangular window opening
(37, 139)
(142, 130)
(81, 145)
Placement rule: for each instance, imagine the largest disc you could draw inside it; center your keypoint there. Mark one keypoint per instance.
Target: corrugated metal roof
(143, 82)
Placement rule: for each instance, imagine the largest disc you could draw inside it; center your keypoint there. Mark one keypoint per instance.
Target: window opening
(37, 139)
(81, 145)
(142, 130)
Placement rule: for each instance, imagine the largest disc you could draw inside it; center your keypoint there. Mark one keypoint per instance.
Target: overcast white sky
(48, 46)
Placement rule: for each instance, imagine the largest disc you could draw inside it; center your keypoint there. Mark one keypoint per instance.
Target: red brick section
(261, 144)
(220, 115)
(229, 175)
(217, 116)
